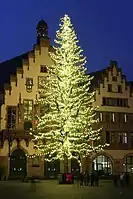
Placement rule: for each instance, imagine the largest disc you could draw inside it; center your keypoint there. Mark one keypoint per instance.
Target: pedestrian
(85, 178)
(81, 179)
(127, 180)
(96, 179)
(122, 175)
(92, 179)
(115, 177)
(88, 179)
(78, 179)
(122, 180)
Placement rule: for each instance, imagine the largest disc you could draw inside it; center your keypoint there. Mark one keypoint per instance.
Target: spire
(42, 30)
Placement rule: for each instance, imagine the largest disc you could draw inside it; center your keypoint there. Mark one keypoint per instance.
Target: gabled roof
(9, 67)
(98, 77)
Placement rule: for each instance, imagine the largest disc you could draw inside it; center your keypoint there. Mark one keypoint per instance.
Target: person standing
(115, 180)
(92, 179)
(81, 179)
(127, 180)
(122, 178)
(96, 179)
(88, 179)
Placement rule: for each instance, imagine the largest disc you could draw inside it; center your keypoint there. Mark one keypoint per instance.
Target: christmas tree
(67, 124)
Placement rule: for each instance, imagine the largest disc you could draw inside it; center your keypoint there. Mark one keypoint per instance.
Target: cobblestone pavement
(52, 190)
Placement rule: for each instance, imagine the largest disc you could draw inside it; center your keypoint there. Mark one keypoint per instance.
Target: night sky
(104, 28)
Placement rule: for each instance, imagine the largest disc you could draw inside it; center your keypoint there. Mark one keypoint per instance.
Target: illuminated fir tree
(67, 125)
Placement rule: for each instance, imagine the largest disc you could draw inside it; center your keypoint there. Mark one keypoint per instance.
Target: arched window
(128, 164)
(103, 164)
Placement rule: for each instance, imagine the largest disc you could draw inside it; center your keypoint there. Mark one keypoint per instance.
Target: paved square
(52, 190)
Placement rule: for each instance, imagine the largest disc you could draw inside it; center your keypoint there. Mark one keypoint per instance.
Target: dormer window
(43, 69)
(29, 84)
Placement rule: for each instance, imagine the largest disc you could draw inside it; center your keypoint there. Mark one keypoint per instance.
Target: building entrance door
(18, 164)
(75, 168)
(51, 169)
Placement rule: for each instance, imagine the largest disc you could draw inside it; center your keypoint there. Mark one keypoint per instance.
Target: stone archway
(51, 169)
(103, 164)
(128, 163)
(75, 167)
(18, 164)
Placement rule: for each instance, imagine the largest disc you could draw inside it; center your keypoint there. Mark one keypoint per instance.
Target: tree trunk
(65, 164)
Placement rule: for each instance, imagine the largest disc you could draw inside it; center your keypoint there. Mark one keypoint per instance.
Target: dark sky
(104, 28)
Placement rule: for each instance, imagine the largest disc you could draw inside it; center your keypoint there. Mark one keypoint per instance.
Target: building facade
(19, 82)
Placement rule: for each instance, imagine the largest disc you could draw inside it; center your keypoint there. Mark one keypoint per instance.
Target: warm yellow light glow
(67, 126)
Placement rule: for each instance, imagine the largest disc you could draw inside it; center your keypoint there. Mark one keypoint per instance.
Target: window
(107, 137)
(100, 116)
(11, 117)
(29, 81)
(128, 164)
(103, 164)
(131, 138)
(114, 78)
(125, 118)
(115, 102)
(119, 89)
(42, 80)
(112, 137)
(107, 117)
(119, 117)
(29, 84)
(112, 117)
(28, 109)
(125, 102)
(109, 87)
(122, 138)
(125, 139)
(43, 69)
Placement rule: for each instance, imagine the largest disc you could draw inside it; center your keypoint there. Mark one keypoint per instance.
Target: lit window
(125, 139)
(112, 117)
(11, 117)
(29, 81)
(122, 138)
(112, 137)
(28, 109)
(100, 116)
(29, 84)
(43, 69)
(125, 118)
